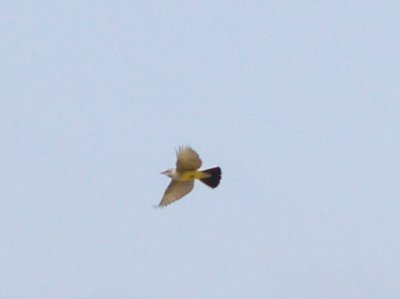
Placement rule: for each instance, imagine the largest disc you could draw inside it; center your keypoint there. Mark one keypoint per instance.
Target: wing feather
(176, 190)
(187, 159)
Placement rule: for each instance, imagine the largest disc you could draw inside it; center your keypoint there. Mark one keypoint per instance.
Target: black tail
(214, 178)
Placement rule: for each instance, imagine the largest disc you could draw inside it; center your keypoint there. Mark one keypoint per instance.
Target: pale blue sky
(297, 101)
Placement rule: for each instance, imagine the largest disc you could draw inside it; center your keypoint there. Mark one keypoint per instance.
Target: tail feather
(214, 177)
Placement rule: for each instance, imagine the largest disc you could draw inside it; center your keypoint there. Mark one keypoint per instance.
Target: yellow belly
(190, 175)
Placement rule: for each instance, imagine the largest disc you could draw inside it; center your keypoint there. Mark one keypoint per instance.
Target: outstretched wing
(187, 159)
(175, 191)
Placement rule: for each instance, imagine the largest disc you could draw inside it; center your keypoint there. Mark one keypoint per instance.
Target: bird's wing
(187, 159)
(175, 191)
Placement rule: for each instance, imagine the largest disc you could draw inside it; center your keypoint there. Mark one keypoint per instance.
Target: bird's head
(169, 172)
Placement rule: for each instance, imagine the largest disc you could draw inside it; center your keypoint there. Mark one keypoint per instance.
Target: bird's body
(183, 176)
(188, 175)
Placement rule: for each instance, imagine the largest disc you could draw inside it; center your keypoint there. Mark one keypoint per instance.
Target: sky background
(297, 101)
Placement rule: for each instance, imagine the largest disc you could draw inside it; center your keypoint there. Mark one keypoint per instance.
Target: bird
(183, 176)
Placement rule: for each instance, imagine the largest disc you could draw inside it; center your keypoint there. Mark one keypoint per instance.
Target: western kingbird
(183, 176)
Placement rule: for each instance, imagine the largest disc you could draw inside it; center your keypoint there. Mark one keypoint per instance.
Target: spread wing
(175, 191)
(188, 159)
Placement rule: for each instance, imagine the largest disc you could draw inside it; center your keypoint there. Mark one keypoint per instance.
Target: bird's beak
(164, 172)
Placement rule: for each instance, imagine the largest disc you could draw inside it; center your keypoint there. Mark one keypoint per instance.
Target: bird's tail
(213, 177)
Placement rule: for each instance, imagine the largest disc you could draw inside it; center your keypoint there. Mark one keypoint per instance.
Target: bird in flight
(183, 176)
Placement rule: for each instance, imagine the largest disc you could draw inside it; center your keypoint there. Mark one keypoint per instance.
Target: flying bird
(183, 176)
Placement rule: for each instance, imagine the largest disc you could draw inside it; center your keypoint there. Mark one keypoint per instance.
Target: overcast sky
(297, 101)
